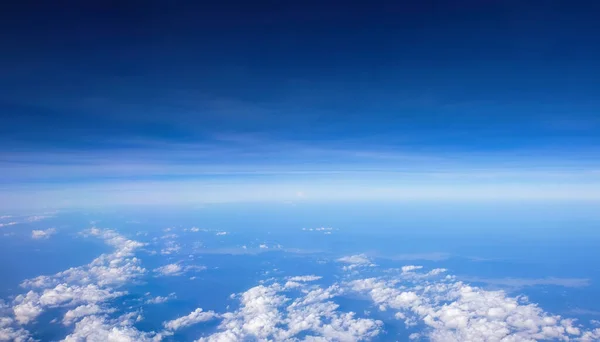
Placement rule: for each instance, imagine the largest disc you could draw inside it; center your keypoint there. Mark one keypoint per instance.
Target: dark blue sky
(467, 74)
(320, 83)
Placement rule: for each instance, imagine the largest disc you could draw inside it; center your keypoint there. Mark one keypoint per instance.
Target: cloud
(27, 307)
(8, 332)
(409, 268)
(305, 278)
(194, 317)
(354, 261)
(169, 270)
(177, 269)
(102, 329)
(324, 230)
(171, 247)
(221, 233)
(42, 234)
(36, 218)
(266, 313)
(83, 311)
(161, 299)
(8, 224)
(84, 287)
(454, 311)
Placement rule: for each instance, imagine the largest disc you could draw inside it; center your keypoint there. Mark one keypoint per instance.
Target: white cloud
(266, 313)
(8, 224)
(177, 269)
(263, 246)
(305, 278)
(171, 247)
(169, 270)
(454, 311)
(222, 233)
(42, 234)
(103, 329)
(355, 261)
(194, 317)
(161, 299)
(410, 268)
(85, 287)
(82, 311)
(8, 329)
(27, 307)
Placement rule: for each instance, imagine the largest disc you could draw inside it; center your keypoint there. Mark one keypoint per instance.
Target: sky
(153, 102)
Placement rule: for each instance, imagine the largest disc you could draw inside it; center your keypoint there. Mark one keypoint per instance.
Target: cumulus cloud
(83, 311)
(266, 313)
(355, 261)
(85, 287)
(102, 329)
(27, 307)
(9, 331)
(222, 233)
(42, 234)
(8, 224)
(161, 299)
(454, 311)
(194, 317)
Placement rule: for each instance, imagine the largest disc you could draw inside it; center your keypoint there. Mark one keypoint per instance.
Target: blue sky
(298, 101)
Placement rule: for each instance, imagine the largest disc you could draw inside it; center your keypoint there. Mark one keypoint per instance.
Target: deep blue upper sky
(457, 73)
(243, 79)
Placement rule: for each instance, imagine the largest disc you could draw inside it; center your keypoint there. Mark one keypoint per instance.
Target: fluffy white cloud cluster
(42, 234)
(194, 317)
(82, 311)
(8, 329)
(103, 329)
(454, 311)
(82, 288)
(111, 269)
(267, 314)
(27, 307)
(355, 261)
